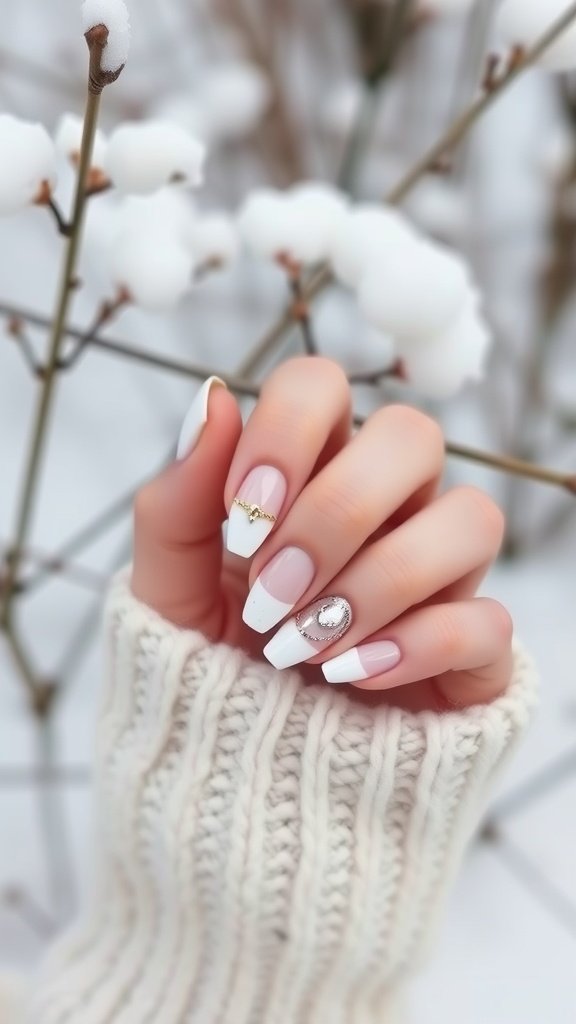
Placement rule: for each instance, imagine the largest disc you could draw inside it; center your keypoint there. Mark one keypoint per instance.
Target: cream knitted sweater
(268, 852)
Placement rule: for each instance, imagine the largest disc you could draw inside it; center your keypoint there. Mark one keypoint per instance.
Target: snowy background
(507, 953)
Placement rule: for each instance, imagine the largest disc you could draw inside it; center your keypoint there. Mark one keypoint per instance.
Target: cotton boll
(169, 210)
(318, 210)
(367, 235)
(153, 267)
(233, 97)
(214, 240)
(415, 293)
(439, 208)
(341, 106)
(114, 15)
(27, 166)
(440, 368)
(263, 222)
(185, 111)
(68, 141)
(522, 22)
(144, 156)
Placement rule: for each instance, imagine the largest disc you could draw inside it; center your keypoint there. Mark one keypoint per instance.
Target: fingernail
(278, 587)
(196, 419)
(314, 628)
(255, 509)
(362, 662)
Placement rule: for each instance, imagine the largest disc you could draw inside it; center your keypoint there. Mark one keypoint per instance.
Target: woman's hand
(318, 513)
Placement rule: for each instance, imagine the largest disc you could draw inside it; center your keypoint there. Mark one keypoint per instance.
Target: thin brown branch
(61, 223)
(241, 384)
(57, 335)
(107, 311)
(15, 329)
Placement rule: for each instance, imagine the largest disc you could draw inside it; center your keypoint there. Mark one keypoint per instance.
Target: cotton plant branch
(241, 384)
(96, 39)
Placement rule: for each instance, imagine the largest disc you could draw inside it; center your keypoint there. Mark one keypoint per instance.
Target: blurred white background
(507, 953)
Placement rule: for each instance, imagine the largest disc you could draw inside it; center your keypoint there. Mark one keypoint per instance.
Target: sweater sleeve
(268, 852)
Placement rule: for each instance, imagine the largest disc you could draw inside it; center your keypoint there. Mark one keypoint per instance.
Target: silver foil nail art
(328, 618)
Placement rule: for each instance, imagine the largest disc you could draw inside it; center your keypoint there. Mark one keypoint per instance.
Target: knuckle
(417, 426)
(396, 573)
(450, 634)
(501, 622)
(146, 506)
(328, 373)
(488, 517)
(339, 505)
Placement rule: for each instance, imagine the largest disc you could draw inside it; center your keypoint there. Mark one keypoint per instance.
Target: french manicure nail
(309, 632)
(196, 419)
(255, 509)
(362, 662)
(277, 589)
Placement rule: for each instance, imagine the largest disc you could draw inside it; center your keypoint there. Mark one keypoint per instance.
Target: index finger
(303, 416)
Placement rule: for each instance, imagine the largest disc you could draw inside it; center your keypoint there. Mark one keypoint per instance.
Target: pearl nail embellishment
(326, 619)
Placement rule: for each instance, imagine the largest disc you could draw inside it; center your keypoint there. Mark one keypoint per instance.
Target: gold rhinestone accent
(254, 511)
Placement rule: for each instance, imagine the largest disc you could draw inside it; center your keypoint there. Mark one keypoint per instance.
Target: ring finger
(441, 544)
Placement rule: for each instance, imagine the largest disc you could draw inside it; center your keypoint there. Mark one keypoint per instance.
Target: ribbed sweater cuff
(270, 852)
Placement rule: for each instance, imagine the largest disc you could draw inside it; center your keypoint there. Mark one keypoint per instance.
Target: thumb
(178, 518)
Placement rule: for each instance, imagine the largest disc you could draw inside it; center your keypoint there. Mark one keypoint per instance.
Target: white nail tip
(243, 537)
(345, 668)
(196, 419)
(262, 610)
(288, 647)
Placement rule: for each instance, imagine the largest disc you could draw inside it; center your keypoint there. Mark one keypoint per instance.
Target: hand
(322, 513)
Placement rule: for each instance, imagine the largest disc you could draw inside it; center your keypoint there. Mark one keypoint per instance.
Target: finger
(303, 408)
(179, 516)
(392, 457)
(439, 545)
(465, 647)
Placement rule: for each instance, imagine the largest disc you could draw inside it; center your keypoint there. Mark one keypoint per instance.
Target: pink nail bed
(288, 575)
(278, 587)
(362, 662)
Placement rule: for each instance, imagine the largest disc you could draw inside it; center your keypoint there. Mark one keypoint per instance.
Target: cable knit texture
(269, 852)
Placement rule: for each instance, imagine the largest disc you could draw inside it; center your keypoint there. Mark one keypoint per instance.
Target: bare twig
(300, 306)
(104, 315)
(244, 386)
(45, 400)
(61, 223)
(15, 329)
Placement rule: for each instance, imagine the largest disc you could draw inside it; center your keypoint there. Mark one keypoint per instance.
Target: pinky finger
(464, 648)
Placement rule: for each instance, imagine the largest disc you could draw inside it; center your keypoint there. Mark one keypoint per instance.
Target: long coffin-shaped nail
(278, 587)
(362, 662)
(313, 629)
(255, 510)
(196, 419)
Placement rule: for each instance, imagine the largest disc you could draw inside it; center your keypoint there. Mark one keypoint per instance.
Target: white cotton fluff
(114, 15)
(523, 22)
(341, 106)
(214, 239)
(299, 223)
(233, 98)
(449, 360)
(144, 156)
(170, 209)
(68, 141)
(368, 235)
(184, 110)
(440, 208)
(153, 266)
(415, 292)
(27, 163)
